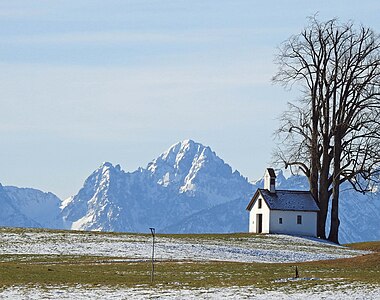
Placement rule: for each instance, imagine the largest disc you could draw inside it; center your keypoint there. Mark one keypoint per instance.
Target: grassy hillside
(70, 270)
(371, 246)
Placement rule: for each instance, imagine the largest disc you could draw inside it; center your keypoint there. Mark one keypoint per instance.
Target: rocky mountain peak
(182, 162)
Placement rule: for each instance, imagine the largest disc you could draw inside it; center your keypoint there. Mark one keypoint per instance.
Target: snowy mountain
(42, 208)
(187, 189)
(195, 170)
(11, 215)
(184, 180)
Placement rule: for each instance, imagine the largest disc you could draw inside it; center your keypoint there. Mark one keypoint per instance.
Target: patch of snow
(267, 249)
(66, 202)
(79, 292)
(77, 225)
(165, 180)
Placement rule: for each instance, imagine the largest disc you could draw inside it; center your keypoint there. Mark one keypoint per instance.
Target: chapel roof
(286, 200)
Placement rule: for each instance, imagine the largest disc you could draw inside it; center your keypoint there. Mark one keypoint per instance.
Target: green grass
(53, 270)
(371, 246)
(72, 270)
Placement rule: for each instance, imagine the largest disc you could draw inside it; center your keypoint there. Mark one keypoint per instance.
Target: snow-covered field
(131, 247)
(269, 248)
(341, 292)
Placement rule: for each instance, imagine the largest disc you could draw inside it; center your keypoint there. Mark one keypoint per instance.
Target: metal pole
(153, 231)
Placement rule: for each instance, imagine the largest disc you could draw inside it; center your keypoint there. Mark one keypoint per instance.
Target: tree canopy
(332, 133)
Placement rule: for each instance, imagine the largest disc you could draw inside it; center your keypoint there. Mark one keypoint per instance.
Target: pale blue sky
(84, 82)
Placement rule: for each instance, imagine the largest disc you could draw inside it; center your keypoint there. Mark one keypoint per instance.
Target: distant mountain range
(26, 207)
(187, 189)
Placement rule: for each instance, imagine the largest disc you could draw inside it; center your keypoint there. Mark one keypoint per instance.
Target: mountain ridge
(186, 189)
(183, 180)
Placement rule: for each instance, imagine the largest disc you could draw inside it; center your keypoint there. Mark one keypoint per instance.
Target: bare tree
(333, 133)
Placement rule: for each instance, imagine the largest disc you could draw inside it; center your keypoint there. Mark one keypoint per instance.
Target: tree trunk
(314, 157)
(323, 206)
(335, 222)
(324, 186)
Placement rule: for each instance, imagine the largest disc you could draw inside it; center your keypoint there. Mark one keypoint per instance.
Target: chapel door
(259, 223)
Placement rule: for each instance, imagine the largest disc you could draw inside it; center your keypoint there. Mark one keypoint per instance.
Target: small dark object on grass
(50, 269)
(297, 272)
(153, 231)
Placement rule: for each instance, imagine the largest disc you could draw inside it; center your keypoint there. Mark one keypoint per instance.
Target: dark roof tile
(286, 200)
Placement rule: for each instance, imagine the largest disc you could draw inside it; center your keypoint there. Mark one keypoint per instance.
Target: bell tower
(270, 180)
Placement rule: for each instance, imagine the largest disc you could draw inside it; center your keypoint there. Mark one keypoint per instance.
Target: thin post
(153, 231)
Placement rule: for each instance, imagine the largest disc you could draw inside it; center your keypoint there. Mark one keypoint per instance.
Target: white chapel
(282, 211)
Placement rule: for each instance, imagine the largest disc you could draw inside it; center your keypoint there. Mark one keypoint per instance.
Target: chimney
(270, 180)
